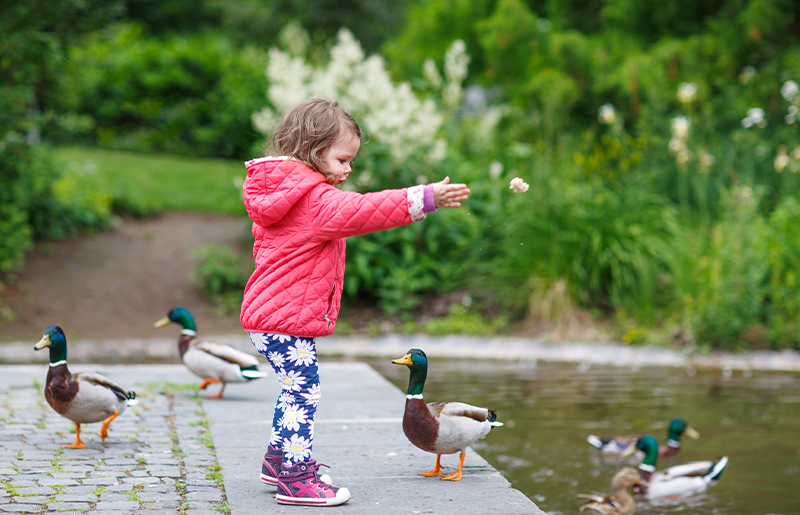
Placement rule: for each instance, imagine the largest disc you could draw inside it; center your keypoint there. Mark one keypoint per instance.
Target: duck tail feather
(716, 469)
(253, 373)
(595, 441)
(492, 418)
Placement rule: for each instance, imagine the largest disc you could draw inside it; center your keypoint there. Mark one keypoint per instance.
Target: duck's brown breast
(60, 389)
(420, 427)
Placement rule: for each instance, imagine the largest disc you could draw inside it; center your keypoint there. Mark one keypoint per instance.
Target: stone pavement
(177, 452)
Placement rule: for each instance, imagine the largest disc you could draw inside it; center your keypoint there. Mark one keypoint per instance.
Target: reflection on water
(549, 408)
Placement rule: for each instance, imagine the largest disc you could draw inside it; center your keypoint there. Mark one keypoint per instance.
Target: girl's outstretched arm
(449, 195)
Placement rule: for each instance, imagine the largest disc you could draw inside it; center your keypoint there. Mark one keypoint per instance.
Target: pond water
(549, 408)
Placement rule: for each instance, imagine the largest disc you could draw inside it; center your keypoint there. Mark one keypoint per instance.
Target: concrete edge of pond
(163, 350)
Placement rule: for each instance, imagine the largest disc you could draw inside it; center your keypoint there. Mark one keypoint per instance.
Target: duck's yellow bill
(691, 432)
(405, 360)
(41, 344)
(161, 323)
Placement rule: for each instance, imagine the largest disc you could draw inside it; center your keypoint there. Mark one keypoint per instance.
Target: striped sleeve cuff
(416, 203)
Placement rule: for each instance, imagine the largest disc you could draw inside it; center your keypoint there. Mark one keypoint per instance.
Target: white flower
(518, 185)
(275, 439)
(687, 92)
(781, 161)
(279, 337)
(293, 417)
(790, 90)
(298, 448)
(259, 343)
(276, 358)
(313, 395)
(495, 169)
(795, 153)
(302, 353)
(607, 114)
(681, 126)
(431, 73)
(285, 400)
(291, 380)
(755, 116)
(456, 67)
(390, 114)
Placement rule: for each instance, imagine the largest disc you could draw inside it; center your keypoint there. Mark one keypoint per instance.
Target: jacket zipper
(330, 305)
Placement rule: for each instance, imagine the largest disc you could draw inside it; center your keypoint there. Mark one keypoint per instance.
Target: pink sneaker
(299, 485)
(271, 468)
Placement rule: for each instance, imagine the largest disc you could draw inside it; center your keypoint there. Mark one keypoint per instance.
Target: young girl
(300, 222)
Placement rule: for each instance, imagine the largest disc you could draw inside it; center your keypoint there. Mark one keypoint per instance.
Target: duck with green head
(617, 445)
(82, 398)
(440, 427)
(678, 481)
(212, 362)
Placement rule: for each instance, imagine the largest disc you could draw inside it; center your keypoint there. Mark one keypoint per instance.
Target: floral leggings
(295, 362)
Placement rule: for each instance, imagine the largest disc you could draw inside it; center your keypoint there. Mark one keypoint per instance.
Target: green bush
(186, 94)
(222, 274)
(728, 309)
(783, 303)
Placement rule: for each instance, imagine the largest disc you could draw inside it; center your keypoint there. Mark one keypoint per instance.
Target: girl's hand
(449, 195)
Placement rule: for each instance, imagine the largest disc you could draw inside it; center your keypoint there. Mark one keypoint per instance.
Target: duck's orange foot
(219, 395)
(207, 381)
(78, 444)
(455, 476)
(106, 422)
(437, 470)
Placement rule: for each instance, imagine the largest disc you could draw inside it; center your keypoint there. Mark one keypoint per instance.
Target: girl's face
(339, 158)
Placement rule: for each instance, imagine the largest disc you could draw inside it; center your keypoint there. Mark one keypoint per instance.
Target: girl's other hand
(449, 195)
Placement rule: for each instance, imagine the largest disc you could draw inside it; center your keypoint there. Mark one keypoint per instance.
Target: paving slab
(162, 454)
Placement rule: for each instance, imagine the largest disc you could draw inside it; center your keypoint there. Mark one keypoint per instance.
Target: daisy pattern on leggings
(294, 361)
(302, 353)
(297, 447)
(292, 379)
(312, 395)
(293, 417)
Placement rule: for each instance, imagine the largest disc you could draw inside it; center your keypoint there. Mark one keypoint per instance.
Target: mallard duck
(678, 481)
(617, 445)
(440, 427)
(619, 501)
(82, 398)
(211, 361)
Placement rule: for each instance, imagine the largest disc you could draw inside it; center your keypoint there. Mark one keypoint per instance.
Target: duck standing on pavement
(82, 398)
(440, 427)
(212, 362)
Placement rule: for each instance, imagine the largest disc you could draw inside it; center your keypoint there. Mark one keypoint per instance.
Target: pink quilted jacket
(300, 224)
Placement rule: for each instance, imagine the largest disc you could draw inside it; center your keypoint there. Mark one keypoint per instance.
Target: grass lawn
(156, 182)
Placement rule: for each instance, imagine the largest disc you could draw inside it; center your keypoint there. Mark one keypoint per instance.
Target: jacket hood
(274, 185)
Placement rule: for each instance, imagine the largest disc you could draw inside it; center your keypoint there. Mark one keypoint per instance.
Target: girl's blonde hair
(310, 129)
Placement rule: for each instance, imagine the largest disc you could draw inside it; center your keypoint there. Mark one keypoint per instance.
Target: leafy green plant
(222, 274)
(727, 310)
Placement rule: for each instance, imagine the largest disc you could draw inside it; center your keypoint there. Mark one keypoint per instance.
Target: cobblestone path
(158, 458)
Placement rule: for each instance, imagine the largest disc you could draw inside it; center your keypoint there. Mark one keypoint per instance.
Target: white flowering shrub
(403, 148)
(390, 114)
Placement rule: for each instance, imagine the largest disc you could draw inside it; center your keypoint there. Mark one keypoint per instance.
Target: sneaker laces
(304, 472)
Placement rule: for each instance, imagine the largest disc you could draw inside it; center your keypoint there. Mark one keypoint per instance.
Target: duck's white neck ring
(674, 444)
(188, 332)
(59, 363)
(647, 468)
(418, 396)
